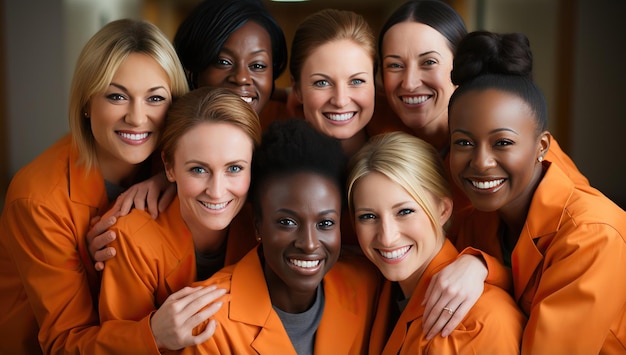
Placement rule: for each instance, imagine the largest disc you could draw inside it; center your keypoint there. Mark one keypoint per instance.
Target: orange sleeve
(497, 274)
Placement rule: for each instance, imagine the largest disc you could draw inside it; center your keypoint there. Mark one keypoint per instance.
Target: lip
(247, 96)
(295, 263)
(134, 137)
(395, 255)
(414, 100)
(484, 185)
(215, 207)
(340, 118)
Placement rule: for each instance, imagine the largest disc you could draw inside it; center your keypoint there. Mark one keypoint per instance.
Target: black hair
(202, 34)
(293, 146)
(434, 13)
(487, 60)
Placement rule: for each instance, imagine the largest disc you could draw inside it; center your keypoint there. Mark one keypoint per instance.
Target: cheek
(211, 77)
(240, 186)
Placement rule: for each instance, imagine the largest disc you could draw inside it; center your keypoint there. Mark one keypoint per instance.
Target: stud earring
(258, 238)
(540, 159)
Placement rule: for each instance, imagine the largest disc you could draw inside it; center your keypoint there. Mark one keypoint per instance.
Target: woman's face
(299, 229)
(244, 66)
(337, 89)
(126, 119)
(417, 64)
(211, 169)
(494, 149)
(394, 231)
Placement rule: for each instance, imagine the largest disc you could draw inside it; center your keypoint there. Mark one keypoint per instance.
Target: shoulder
(353, 277)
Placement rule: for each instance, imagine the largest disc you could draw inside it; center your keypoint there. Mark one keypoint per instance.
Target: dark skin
(300, 235)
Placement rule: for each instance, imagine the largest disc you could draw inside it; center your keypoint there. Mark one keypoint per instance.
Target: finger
(457, 317)
(101, 241)
(201, 299)
(183, 292)
(203, 315)
(139, 199)
(93, 221)
(100, 227)
(167, 197)
(206, 334)
(124, 203)
(441, 321)
(99, 266)
(104, 254)
(434, 314)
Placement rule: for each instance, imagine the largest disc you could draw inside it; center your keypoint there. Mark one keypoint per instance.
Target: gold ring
(450, 311)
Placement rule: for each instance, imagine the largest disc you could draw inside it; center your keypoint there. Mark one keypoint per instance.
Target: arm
(581, 290)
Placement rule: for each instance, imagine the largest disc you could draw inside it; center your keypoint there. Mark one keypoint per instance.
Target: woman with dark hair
(294, 293)
(566, 244)
(235, 45)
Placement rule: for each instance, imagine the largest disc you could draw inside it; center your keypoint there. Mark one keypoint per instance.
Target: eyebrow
(203, 163)
(123, 88)
(397, 56)
(490, 132)
(291, 212)
(255, 52)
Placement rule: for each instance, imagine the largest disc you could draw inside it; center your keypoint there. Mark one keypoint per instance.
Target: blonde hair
(207, 104)
(99, 61)
(409, 162)
(326, 26)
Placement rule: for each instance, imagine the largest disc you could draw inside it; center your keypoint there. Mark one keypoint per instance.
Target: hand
(182, 311)
(451, 294)
(98, 237)
(156, 192)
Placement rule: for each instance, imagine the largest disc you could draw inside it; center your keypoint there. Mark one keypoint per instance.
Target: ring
(450, 311)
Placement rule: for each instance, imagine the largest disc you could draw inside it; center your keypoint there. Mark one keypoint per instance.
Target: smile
(414, 100)
(214, 206)
(133, 136)
(394, 254)
(486, 185)
(306, 264)
(340, 116)
(247, 99)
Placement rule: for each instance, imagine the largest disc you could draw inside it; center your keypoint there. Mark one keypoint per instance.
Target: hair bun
(483, 52)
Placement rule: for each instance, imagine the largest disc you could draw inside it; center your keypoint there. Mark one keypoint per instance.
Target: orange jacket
(154, 259)
(249, 325)
(45, 268)
(494, 325)
(567, 268)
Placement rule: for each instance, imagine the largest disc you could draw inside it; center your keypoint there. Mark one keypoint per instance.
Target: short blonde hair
(99, 61)
(207, 104)
(408, 161)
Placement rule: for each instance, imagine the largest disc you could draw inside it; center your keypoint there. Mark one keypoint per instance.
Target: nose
(412, 78)
(307, 240)
(482, 159)
(388, 231)
(340, 96)
(215, 186)
(136, 114)
(241, 75)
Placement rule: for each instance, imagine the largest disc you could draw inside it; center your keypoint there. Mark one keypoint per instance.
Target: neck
(351, 145)
(435, 133)
(409, 285)
(285, 298)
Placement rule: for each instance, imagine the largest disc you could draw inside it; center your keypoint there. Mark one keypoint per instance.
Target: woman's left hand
(452, 292)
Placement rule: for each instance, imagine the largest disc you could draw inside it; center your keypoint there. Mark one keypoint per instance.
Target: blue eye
(321, 83)
(234, 169)
(366, 216)
(405, 211)
(430, 62)
(116, 97)
(357, 82)
(198, 170)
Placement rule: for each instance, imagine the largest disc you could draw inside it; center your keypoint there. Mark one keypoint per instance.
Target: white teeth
(133, 137)
(487, 184)
(398, 253)
(214, 206)
(304, 263)
(246, 99)
(412, 100)
(340, 117)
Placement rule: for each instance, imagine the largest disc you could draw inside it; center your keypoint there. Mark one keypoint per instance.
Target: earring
(258, 238)
(540, 159)
(86, 114)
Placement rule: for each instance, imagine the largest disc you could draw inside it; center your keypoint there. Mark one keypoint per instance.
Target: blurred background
(580, 64)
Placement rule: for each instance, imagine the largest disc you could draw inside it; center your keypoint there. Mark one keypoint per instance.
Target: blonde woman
(400, 201)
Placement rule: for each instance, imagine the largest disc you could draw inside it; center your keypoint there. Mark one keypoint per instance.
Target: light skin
(394, 232)
(244, 66)
(211, 169)
(416, 66)
(494, 153)
(126, 118)
(300, 235)
(337, 91)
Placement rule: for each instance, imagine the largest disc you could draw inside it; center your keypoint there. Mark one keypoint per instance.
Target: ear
(544, 144)
(296, 89)
(445, 210)
(169, 169)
